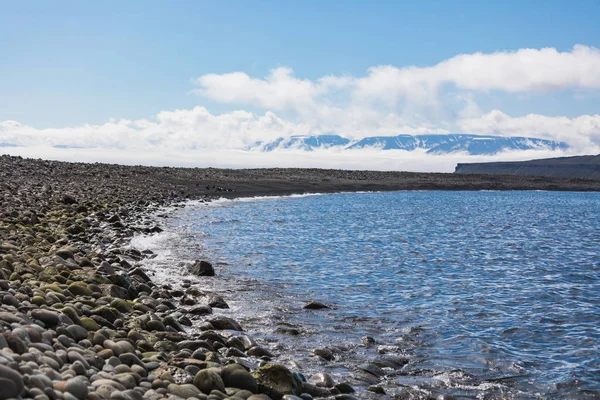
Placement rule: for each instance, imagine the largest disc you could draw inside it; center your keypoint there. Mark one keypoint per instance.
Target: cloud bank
(387, 100)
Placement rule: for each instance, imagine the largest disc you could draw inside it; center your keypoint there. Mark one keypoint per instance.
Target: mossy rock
(94, 288)
(53, 288)
(122, 305)
(71, 313)
(38, 300)
(145, 346)
(14, 277)
(80, 289)
(89, 324)
(88, 302)
(276, 380)
(108, 313)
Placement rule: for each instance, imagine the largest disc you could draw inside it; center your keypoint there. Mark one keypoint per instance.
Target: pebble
(11, 383)
(77, 387)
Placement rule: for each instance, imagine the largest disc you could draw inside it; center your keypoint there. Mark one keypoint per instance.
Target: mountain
(433, 144)
(585, 167)
(307, 143)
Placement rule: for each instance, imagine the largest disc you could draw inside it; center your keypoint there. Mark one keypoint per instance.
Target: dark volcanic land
(80, 319)
(584, 167)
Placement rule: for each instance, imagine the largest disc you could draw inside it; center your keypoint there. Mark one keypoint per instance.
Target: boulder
(201, 268)
(276, 381)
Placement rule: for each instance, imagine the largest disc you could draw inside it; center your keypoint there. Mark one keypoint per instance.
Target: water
(485, 294)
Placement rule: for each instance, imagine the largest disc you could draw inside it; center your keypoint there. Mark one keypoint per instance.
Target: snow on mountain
(433, 144)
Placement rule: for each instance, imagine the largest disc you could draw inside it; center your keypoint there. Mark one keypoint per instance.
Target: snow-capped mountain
(433, 144)
(307, 143)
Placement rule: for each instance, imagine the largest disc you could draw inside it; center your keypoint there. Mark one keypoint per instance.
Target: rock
(201, 310)
(376, 389)
(172, 322)
(201, 268)
(68, 199)
(315, 305)
(322, 379)
(89, 324)
(260, 396)
(155, 325)
(49, 318)
(344, 387)
(130, 394)
(80, 289)
(345, 396)
(77, 387)
(324, 353)
(39, 381)
(217, 301)
(11, 383)
(9, 317)
(77, 332)
(184, 391)
(276, 381)
(225, 323)
(15, 343)
(258, 351)
(208, 380)
(119, 347)
(234, 375)
(315, 391)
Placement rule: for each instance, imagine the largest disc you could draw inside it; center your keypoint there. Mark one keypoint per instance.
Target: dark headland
(80, 319)
(584, 167)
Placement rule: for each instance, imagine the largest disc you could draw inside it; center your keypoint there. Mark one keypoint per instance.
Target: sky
(180, 82)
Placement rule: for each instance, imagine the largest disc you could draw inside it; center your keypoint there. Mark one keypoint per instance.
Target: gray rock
(322, 379)
(130, 394)
(234, 375)
(345, 387)
(223, 323)
(208, 380)
(258, 351)
(130, 359)
(261, 396)
(217, 301)
(77, 387)
(184, 391)
(324, 353)
(119, 347)
(39, 381)
(77, 332)
(49, 318)
(11, 383)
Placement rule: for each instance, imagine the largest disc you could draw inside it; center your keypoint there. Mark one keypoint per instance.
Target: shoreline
(81, 319)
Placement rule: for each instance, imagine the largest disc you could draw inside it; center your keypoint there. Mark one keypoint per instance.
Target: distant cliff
(586, 167)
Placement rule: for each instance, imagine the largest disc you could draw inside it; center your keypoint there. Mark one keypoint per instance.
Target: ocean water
(464, 294)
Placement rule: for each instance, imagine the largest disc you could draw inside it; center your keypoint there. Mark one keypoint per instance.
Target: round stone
(11, 383)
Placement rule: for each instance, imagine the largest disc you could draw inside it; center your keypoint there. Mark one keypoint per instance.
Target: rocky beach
(80, 317)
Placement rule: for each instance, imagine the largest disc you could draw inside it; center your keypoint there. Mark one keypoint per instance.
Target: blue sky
(69, 64)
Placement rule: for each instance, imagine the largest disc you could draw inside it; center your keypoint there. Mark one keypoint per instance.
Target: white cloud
(524, 70)
(582, 132)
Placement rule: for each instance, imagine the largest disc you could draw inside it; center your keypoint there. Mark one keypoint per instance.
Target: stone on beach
(201, 268)
(315, 305)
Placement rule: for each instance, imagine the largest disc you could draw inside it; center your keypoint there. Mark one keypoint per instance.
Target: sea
(431, 294)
